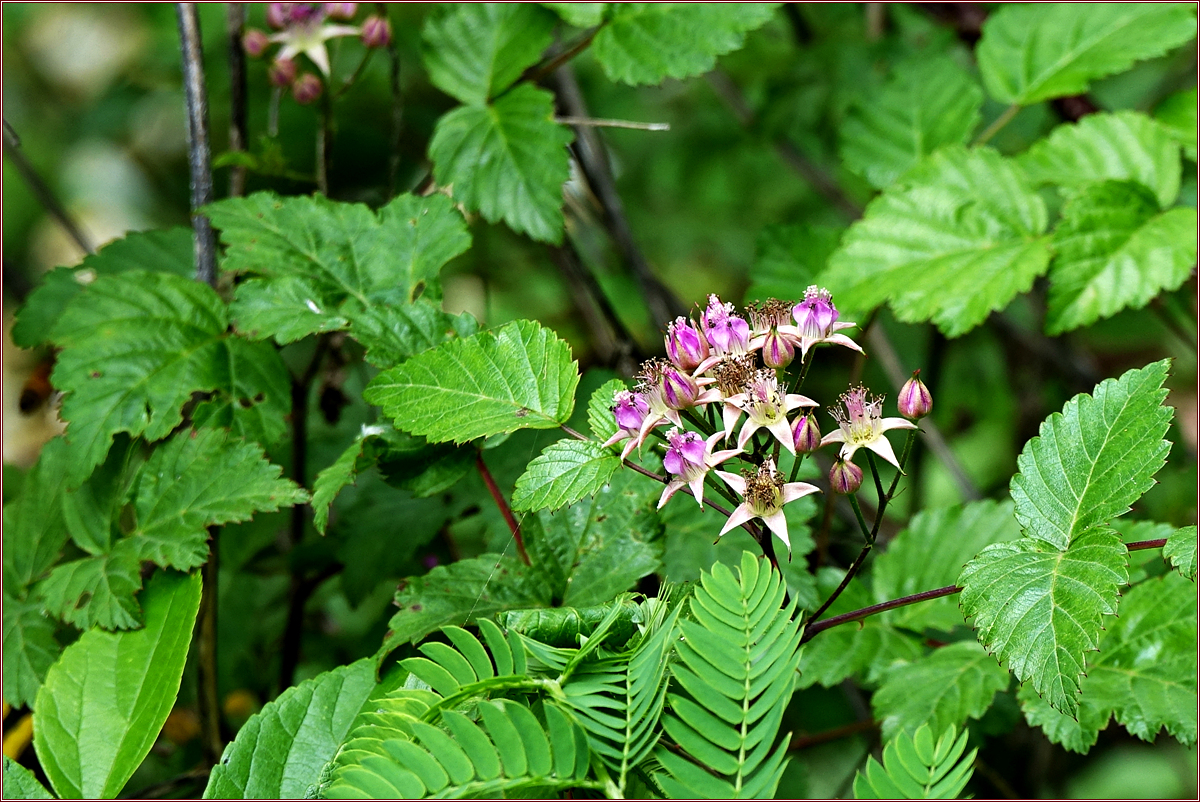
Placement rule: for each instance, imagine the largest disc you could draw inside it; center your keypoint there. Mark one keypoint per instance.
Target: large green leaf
(1041, 609)
(475, 50)
(164, 250)
(1032, 51)
(788, 258)
(927, 103)
(1144, 675)
(34, 528)
(519, 377)
(600, 411)
(1095, 458)
(951, 241)
(138, 345)
(581, 15)
(29, 649)
(917, 767)
(1123, 146)
(563, 473)
(1178, 115)
(105, 700)
(507, 160)
(930, 553)
(942, 689)
(1114, 250)
(19, 782)
(280, 751)
(1181, 551)
(643, 43)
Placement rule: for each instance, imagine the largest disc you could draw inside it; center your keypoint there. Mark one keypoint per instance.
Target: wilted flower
(861, 425)
(727, 332)
(629, 410)
(733, 373)
(766, 407)
(306, 89)
(817, 321)
(772, 332)
(686, 346)
(845, 477)
(255, 42)
(806, 435)
(376, 32)
(915, 400)
(688, 459)
(764, 494)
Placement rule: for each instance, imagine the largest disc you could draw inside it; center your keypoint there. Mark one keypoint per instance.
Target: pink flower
(255, 42)
(817, 321)
(686, 346)
(306, 89)
(862, 425)
(773, 334)
(766, 407)
(343, 11)
(765, 493)
(688, 460)
(668, 390)
(376, 32)
(727, 332)
(630, 411)
(282, 72)
(915, 400)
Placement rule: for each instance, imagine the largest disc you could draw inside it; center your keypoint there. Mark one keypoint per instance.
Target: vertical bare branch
(238, 137)
(12, 149)
(397, 106)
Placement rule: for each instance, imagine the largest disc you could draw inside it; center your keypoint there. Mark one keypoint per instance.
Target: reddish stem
(498, 497)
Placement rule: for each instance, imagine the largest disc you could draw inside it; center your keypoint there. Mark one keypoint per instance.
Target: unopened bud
(914, 401)
(282, 72)
(341, 10)
(277, 14)
(777, 350)
(686, 346)
(255, 42)
(306, 89)
(376, 32)
(845, 477)
(806, 435)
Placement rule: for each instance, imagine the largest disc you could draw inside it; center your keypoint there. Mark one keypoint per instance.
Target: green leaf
(942, 689)
(914, 767)
(1031, 52)
(788, 258)
(29, 650)
(581, 15)
(1041, 610)
(643, 43)
(34, 528)
(167, 251)
(19, 782)
(563, 473)
(461, 592)
(927, 103)
(507, 160)
(1122, 146)
(96, 591)
(1144, 675)
(954, 239)
(519, 377)
(1095, 458)
(105, 700)
(474, 51)
(1181, 551)
(138, 345)
(281, 750)
(930, 553)
(600, 411)
(1178, 115)
(1114, 250)
(737, 663)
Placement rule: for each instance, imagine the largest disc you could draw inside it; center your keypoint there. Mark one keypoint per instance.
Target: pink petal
(671, 489)
(739, 517)
(620, 435)
(795, 490)
(794, 400)
(673, 416)
(697, 486)
(895, 423)
(706, 364)
(783, 433)
(708, 397)
(845, 324)
(836, 436)
(883, 448)
(778, 524)
(842, 339)
(748, 429)
(729, 416)
(733, 480)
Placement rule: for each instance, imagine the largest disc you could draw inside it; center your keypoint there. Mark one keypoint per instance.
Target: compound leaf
(914, 767)
(1181, 551)
(565, 472)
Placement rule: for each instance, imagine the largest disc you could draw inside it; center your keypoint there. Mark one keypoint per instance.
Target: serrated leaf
(19, 782)
(507, 160)
(1041, 610)
(1031, 52)
(1144, 675)
(1178, 115)
(165, 250)
(474, 51)
(105, 700)
(563, 473)
(136, 346)
(34, 528)
(1122, 146)
(1181, 551)
(281, 750)
(954, 239)
(1095, 458)
(29, 650)
(930, 553)
(788, 258)
(643, 43)
(459, 593)
(600, 410)
(106, 584)
(942, 689)
(927, 103)
(1113, 251)
(519, 377)
(581, 15)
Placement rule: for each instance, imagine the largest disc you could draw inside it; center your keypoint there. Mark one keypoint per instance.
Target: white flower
(862, 425)
(766, 407)
(765, 493)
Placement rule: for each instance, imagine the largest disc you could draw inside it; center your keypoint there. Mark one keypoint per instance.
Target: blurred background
(93, 100)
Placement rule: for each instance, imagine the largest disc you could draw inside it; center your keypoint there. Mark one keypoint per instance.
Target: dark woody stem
(875, 474)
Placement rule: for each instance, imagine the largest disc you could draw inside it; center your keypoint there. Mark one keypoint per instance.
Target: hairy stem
(505, 510)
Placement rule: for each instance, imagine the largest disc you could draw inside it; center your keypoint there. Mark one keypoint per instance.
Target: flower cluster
(304, 28)
(728, 370)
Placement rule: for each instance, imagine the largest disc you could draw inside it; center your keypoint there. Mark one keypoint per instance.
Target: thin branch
(837, 733)
(537, 72)
(299, 592)
(46, 197)
(598, 122)
(1004, 119)
(614, 342)
(200, 167)
(505, 510)
(397, 104)
(238, 127)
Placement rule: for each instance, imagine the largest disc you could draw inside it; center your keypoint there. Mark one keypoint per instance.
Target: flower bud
(306, 89)
(282, 72)
(845, 477)
(629, 410)
(679, 390)
(255, 42)
(376, 32)
(914, 401)
(777, 350)
(341, 10)
(816, 314)
(806, 435)
(686, 346)
(277, 14)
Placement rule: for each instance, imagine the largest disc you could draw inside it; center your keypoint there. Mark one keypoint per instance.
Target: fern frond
(917, 768)
(738, 660)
